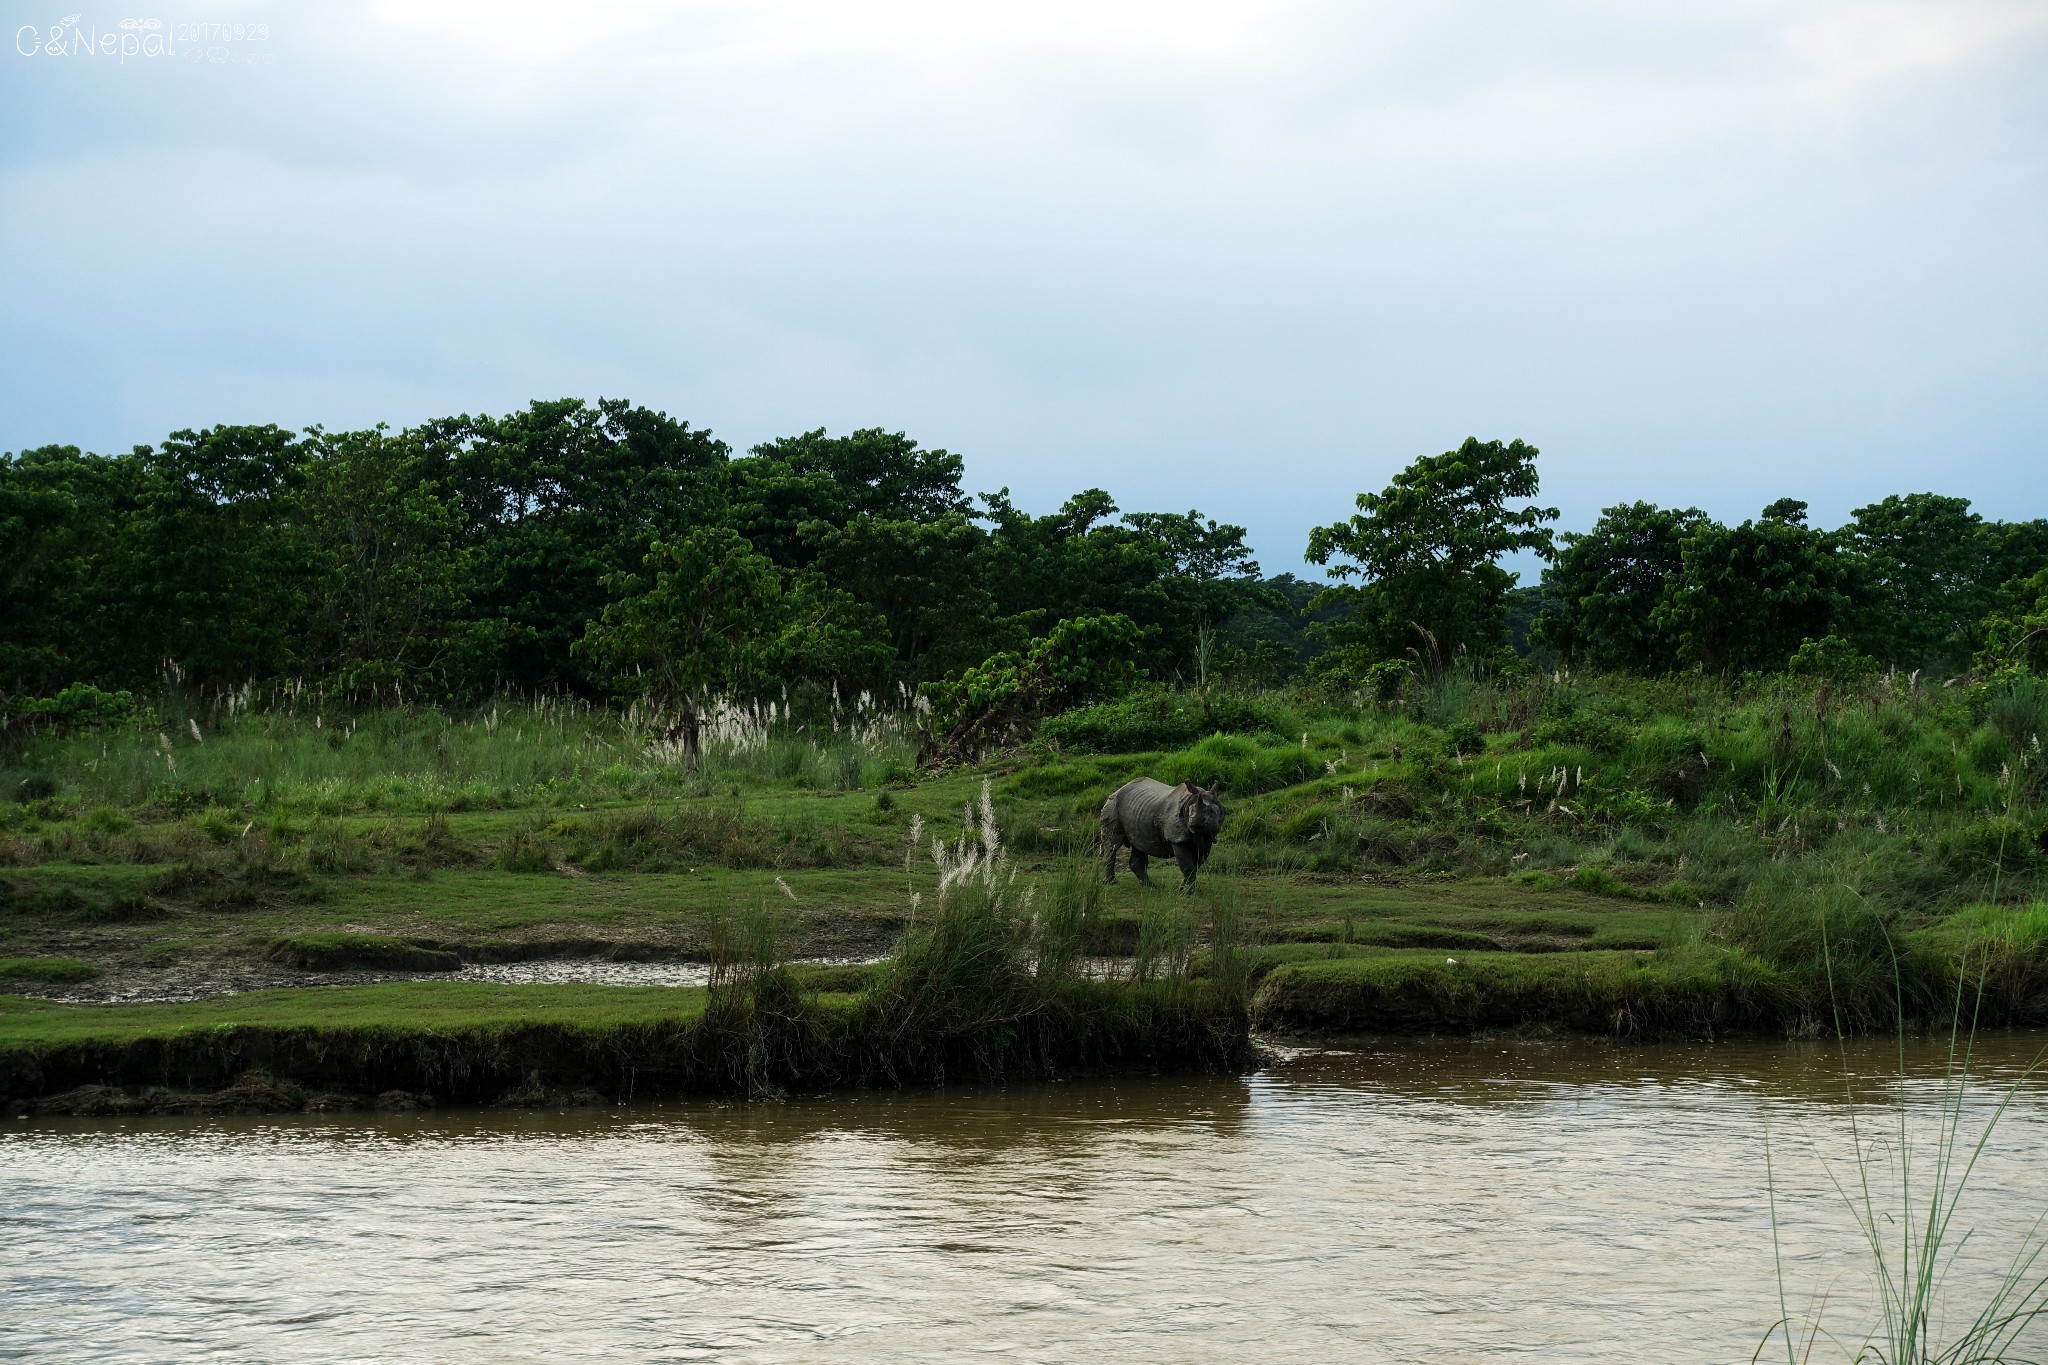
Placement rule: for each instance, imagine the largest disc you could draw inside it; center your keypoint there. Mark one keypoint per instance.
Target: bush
(1833, 658)
(1603, 734)
(81, 706)
(48, 971)
(1151, 719)
(1465, 738)
(1600, 882)
(526, 849)
(35, 787)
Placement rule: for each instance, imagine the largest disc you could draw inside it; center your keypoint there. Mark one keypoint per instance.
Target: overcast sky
(1250, 258)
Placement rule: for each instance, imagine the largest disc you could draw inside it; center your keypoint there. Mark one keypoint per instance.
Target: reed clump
(1905, 1184)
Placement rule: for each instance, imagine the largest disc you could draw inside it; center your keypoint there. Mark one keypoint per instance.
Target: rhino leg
(1188, 859)
(1139, 861)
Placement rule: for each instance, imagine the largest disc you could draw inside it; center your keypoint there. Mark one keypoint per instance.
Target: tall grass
(1790, 810)
(1905, 1189)
(989, 980)
(300, 757)
(993, 978)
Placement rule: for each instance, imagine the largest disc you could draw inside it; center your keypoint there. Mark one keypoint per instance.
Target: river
(1402, 1202)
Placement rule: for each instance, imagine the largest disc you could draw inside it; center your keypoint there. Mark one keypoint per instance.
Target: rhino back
(1138, 810)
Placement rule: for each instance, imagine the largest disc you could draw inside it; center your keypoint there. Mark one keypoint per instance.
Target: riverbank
(420, 1043)
(784, 1028)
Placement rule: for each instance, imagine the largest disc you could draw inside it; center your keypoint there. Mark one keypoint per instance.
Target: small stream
(206, 980)
(1405, 1201)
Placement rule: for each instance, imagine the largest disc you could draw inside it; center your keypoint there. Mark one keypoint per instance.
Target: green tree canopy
(709, 618)
(1917, 568)
(1602, 591)
(1427, 550)
(1750, 595)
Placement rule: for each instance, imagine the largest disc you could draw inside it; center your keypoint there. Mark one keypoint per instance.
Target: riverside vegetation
(1603, 854)
(578, 682)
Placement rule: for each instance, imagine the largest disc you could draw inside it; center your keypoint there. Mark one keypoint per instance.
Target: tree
(787, 491)
(1750, 595)
(1427, 550)
(201, 573)
(1214, 577)
(551, 501)
(392, 575)
(1079, 561)
(59, 517)
(703, 621)
(1604, 587)
(920, 576)
(711, 618)
(2016, 639)
(1919, 567)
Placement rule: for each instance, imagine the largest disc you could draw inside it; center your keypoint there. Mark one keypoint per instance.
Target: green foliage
(1427, 550)
(1833, 658)
(1149, 718)
(468, 556)
(2015, 640)
(1001, 699)
(1921, 574)
(342, 951)
(712, 618)
(1751, 594)
(80, 706)
(1604, 587)
(1465, 737)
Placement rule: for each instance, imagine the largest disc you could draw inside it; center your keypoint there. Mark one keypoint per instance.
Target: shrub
(1600, 882)
(81, 706)
(1833, 658)
(526, 849)
(1465, 738)
(49, 971)
(1151, 719)
(107, 820)
(35, 787)
(1603, 734)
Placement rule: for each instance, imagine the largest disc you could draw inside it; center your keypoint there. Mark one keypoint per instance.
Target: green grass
(1764, 818)
(342, 951)
(410, 1007)
(1596, 992)
(49, 970)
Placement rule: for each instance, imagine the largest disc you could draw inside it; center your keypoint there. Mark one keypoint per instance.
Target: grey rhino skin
(1154, 820)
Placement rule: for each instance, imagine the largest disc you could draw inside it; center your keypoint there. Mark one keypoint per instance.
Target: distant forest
(587, 548)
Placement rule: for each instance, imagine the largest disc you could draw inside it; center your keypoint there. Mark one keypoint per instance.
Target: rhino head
(1194, 815)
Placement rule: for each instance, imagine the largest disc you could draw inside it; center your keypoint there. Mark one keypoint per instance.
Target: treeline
(474, 555)
(1910, 582)
(611, 550)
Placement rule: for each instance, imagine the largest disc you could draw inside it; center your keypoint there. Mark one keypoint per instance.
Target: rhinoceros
(1154, 820)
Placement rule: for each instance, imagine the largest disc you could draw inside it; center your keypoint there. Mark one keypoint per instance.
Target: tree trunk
(692, 726)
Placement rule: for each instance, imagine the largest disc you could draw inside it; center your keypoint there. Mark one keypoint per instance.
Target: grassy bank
(1673, 855)
(990, 980)
(342, 1047)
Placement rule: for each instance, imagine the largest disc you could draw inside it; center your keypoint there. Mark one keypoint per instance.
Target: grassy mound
(1592, 992)
(334, 951)
(48, 970)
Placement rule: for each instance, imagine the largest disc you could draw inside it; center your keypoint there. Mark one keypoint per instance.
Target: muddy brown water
(1400, 1201)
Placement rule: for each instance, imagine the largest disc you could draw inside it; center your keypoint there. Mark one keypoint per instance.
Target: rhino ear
(1174, 827)
(1213, 787)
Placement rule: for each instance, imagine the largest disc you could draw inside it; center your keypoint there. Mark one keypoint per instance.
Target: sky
(1245, 257)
